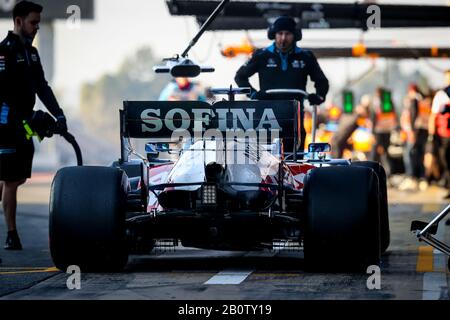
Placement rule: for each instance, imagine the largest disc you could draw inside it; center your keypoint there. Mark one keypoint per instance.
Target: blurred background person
(183, 89)
(431, 161)
(414, 122)
(348, 123)
(439, 129)
(384, 120)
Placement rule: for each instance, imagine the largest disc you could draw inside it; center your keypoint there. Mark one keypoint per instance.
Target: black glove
(61, 124)
(40, 124)
(314, 99)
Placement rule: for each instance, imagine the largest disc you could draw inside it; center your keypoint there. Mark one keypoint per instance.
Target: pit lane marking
(434, 264)
(434, 285)
(276, 274)
(229, 277)
(430, 259)
(425, 259)
(27, 270)
(431, 207)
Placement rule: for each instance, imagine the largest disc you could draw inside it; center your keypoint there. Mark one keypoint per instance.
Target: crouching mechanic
(21, 78)
(283, 65)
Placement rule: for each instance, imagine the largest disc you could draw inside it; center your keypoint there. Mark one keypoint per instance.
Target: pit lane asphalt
(409, 270)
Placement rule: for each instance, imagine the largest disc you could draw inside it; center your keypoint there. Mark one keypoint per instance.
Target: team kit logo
(298, 64)
(271, 63)
(2, 63)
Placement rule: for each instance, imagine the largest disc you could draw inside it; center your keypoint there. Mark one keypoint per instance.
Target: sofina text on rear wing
(175, 120)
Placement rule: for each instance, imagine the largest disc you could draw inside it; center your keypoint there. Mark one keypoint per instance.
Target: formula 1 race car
(237, 182)
(234, 185)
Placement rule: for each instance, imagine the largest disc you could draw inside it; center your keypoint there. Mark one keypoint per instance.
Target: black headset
(271, 31)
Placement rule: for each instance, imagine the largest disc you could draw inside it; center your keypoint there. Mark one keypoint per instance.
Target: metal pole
(438, 218)
(314, 123)
(204, 26)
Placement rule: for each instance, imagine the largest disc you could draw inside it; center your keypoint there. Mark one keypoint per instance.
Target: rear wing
(173, 120)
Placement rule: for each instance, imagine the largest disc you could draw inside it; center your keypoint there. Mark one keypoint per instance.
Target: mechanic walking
(439, 129)
(283, 65)
(348, 123)
(414, 122)
(384, 120)
(21, 78)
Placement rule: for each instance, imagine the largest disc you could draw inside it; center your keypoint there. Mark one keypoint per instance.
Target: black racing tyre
(342, 224)
(87, 218)
(385, 232)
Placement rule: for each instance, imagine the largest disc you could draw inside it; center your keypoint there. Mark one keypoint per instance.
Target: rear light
(209, 194)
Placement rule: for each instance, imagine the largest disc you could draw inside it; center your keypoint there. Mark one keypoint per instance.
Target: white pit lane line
(229, 277)
(435, 285)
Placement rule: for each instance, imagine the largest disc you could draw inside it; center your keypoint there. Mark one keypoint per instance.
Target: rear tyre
(342, 230)
(87, 218)
(384, 208)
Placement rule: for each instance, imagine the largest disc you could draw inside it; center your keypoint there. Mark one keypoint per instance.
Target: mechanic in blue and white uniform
(21, 78)
(283, 65)
(182, 89)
